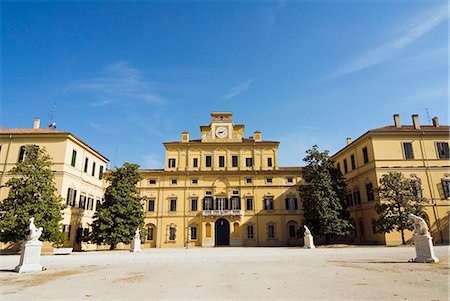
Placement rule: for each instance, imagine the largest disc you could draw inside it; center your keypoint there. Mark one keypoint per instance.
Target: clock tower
(221, 126)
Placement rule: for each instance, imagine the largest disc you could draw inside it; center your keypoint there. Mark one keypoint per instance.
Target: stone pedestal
(424, 248)
(136, 245)
(309, 242)
(30, 257)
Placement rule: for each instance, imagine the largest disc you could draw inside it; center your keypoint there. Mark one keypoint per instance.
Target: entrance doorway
(222, 231)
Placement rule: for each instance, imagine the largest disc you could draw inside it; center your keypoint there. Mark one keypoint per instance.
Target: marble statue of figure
(137, 234)
(420, 226)
(307, 231)
(35, 233)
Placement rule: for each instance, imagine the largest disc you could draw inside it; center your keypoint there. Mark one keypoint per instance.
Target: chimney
(397, 121)
(257, 135)
(37, 123)
(349, 140)
(415, 120)
(185, 137)
(435, 122)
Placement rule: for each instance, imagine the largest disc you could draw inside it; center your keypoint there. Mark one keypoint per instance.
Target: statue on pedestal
(30, 254)
(136, 243)
(423, 242)
(308, 238)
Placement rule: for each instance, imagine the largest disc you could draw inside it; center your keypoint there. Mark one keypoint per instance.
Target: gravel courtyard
(354, 273)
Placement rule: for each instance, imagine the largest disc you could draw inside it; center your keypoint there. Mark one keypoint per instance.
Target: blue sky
(128, 76)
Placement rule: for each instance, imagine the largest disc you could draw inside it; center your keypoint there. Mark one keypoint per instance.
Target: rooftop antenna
(52, 123)
(428, 115)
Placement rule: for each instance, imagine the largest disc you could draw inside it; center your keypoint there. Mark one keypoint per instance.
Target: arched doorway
(222, 231)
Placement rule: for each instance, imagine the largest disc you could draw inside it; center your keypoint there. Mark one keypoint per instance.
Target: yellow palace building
(420, 153)
(222, 189)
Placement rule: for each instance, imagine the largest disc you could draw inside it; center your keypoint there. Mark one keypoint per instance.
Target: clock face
(221, 132)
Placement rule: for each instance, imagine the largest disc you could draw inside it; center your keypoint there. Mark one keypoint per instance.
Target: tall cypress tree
(398, 198)
(121, 213)
(323, 196)
(32, 193)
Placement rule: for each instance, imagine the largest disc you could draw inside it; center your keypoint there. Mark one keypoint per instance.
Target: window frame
(234, 161)
(221, 161)
(365, 152)
(73, 161)
(208, 161)
(405, 154)
(444, 143)
(249, 162)
(173, 205)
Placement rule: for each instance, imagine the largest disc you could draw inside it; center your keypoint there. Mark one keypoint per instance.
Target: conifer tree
(32, 193)
(323, 196)
(121, 213)
(398, 198)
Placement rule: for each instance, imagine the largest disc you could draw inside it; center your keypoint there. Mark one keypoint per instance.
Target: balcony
(232, 212)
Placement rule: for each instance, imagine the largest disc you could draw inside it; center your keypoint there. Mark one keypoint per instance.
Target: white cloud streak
(413, 31)
(233, 92)
(121, 82)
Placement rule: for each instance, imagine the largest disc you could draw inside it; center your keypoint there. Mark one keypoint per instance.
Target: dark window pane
(234, 161)
(443, 151)
(74, 158)
(365, 155)
(408, 150)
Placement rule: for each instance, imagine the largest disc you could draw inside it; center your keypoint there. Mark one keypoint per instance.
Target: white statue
(35, 233)
(420, 225)
(307, 231)
(137, 234)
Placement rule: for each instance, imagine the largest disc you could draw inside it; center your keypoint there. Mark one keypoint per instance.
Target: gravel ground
(352, 273)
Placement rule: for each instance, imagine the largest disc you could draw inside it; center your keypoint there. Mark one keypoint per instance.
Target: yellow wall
(386, 154)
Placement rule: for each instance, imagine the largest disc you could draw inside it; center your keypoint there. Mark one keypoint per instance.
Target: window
(194, 181)
(269, 162)
(408, 150)
(100, 173)
(173, 205)
(172, 233)
(150, 233)
(270, 231)
(349, 200)
(151, 205)
(221, 161)
(172, 163)
(82, 201)
(250, 232)
(446, 187)
(235, 203)
(338, 166)
(71, 197)
(353, 162)
(208, 161)
(195, 162)
(443, 151)
(193, 233)
(365, 155)
(248, 162)
(291, 204)
(174, 181)
(269, 180)
(249, 202)
(369, 191)
(97, 205)
(194, 204)
(93, 169)
(356, 197)
(248, 181)
(345, 166)
(86, 164)
(74, 158)
(234, 161)
(416, 188)
(290, 180)
(152, 181)
(25, 150)
(208, 203)
(292, 231)
(268, 203)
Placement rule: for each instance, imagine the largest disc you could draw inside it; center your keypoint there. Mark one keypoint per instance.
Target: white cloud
(121, 83)
(233, 92)
(411, 32)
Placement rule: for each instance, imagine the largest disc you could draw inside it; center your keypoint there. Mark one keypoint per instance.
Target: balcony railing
(222, 212)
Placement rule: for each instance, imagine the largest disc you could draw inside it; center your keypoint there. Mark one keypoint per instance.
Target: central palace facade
(222, 189)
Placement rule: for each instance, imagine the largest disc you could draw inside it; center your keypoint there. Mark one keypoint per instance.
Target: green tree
(323, 196)
(121, 213)
(32, 193)
(398, 198)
